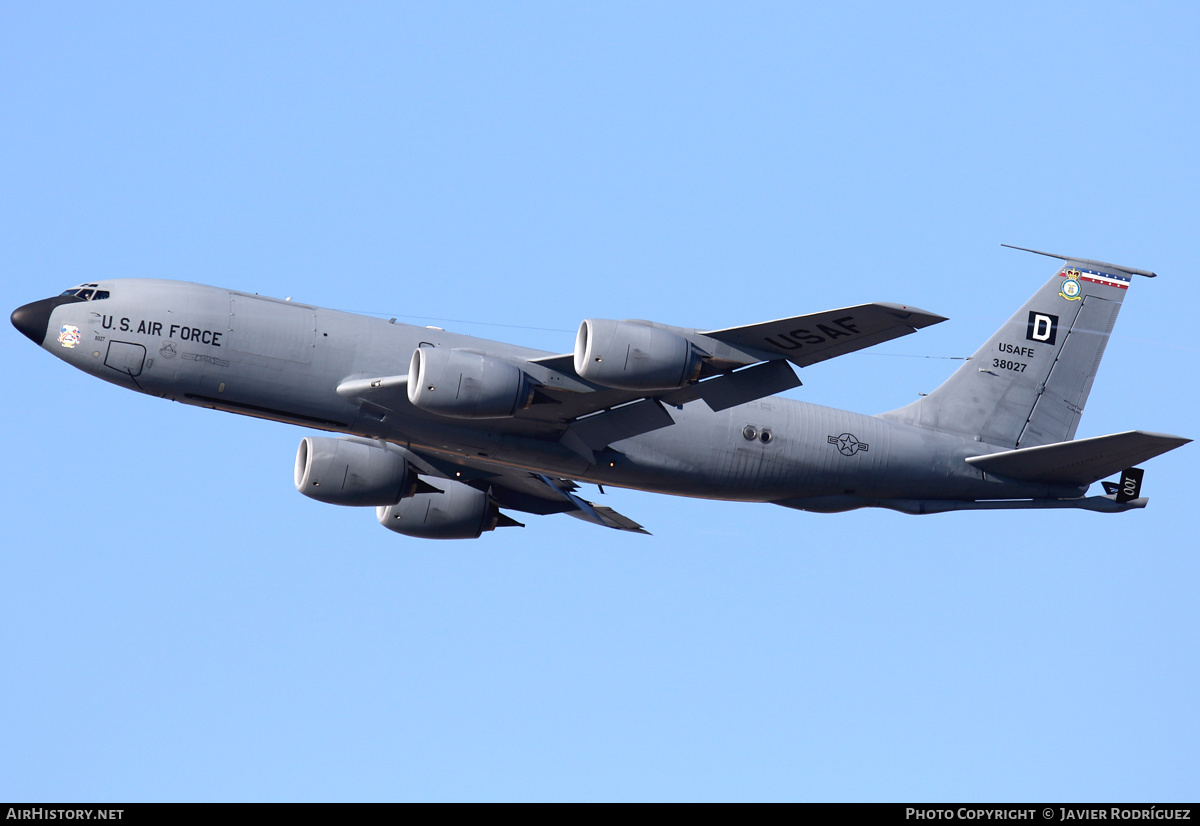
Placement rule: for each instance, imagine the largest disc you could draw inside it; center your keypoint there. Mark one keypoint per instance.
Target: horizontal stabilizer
(808, 339)
(1078, 462)
(1090, 262)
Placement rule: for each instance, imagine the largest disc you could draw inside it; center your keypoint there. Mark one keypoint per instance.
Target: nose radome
(33, 319)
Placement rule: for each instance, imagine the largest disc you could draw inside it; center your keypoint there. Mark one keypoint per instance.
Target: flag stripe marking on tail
(1096, 277)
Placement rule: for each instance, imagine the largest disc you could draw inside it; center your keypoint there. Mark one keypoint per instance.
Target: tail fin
(1027, 386)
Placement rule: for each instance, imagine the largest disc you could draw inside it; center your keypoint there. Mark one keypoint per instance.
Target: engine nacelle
(458, 512)
(465, 385)
(631, 356)
(346, 472)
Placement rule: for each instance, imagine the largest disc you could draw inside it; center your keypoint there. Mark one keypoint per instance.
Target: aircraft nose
(33, 319)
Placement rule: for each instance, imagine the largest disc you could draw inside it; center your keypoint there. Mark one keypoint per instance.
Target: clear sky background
(177, 623)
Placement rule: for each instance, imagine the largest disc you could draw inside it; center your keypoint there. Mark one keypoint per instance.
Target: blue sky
(179, 624)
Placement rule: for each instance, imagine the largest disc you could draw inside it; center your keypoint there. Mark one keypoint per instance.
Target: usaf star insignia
(848, 444)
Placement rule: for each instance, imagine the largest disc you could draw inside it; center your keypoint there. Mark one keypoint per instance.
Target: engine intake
(628, 355)
(465, 385)
(346, 472)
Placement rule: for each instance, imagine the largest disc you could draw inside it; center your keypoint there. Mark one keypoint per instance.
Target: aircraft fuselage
(284, 361)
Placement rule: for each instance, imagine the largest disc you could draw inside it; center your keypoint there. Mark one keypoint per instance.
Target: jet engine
(348, 472)
(458, 511)
(629, 355)
(465, 385)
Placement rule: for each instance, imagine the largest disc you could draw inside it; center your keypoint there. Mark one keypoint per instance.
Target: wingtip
(915, 316)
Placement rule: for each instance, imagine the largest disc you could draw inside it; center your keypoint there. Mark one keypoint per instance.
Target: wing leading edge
(808, 339)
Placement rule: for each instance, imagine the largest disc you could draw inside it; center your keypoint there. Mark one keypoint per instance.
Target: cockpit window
(87, 294)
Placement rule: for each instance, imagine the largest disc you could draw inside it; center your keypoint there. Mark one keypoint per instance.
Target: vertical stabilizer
(1028, 384)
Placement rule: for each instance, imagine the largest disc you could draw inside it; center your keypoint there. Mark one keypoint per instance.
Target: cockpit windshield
(87, 292)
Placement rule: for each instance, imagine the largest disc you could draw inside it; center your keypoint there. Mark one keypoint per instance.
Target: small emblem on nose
(69, 336)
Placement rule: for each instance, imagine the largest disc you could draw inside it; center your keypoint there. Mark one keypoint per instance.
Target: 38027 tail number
(1005, 364)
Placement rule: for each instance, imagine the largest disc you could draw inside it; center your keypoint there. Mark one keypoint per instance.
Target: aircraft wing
(741, 364)
(602, 416)
(527, 492)
(802, 339)
(808, 339)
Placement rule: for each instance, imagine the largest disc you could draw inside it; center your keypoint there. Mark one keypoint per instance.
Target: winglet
(1093, 263)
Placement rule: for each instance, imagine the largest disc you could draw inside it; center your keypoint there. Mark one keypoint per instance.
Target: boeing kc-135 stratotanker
(445, 432)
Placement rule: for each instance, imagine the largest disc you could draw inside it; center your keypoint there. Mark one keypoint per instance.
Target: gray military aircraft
(445, 431)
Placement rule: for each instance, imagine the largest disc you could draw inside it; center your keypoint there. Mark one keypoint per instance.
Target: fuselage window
(100, 294)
